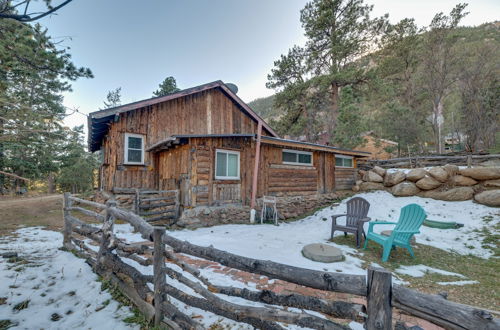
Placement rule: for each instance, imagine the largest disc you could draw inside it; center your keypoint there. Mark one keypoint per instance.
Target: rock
(481, 173)
(322, 253)
(428, 183)
(371, 176)
(8, 255)
(379, 170)
(439, 174)
(451, 169)
(488, 197)
(413, 241)
(416, 174)
(371, 186)
(492, 183)
(451, 195)
(356, 188)
(460, 180)
(394, 178)
(491, 163)
(405, 188)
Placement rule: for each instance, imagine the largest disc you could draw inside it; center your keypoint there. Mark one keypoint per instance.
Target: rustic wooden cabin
(212, 146)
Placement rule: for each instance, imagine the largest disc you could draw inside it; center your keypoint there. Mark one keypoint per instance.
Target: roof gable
(99, 120)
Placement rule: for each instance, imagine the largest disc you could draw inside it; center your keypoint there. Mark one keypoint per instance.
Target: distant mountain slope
(264, 107)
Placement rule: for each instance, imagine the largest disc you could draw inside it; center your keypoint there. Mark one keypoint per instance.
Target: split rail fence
(151, 292)
(427, 161)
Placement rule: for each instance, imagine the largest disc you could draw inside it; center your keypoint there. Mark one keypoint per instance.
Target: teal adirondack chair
(411, 218)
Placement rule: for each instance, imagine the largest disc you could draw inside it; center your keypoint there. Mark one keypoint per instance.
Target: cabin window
(294, 157)
(343, 161)
(134, 149)
(227, 165)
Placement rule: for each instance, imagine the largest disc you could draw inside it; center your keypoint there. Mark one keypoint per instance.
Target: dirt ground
(31, 211)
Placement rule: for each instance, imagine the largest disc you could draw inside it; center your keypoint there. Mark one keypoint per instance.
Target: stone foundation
(448, 183)
(288, 208)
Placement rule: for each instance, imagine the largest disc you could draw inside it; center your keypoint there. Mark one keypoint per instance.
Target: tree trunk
(50, 183)
(334, 114)
(438, 125)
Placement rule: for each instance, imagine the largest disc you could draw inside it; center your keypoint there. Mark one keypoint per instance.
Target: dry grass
(485, 294)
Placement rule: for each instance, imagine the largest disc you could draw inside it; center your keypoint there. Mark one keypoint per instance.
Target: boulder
(379, 170)
(492, 183)
(491, 163)
(451, 169)
(416, 174)
(371, 176)
(392, 179)
(405, 188)
(451, 195)
(488, 197)
(439, 174)
(460, 180)
(356, 188)
(428, 183)
(481, 173)
(371, 186)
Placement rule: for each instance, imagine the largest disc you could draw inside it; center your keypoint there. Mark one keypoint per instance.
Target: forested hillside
(419, 86)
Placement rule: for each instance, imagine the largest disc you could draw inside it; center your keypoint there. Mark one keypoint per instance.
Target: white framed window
(295, 157)
(344, 161)
(134, 149)
(227, 165)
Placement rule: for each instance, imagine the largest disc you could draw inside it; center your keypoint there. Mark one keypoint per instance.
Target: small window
(295, 157)
(134, 149)
(343, 161)
(227, 165)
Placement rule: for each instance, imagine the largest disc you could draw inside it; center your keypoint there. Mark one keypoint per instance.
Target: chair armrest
(334, 218)
(371, 224)
(409, 231)
(365, 219)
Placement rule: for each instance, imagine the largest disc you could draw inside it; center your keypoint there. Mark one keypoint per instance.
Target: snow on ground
(54, 282)
(457, 283)
(421, 270)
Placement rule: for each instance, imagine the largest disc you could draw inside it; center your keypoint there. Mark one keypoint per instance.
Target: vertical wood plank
(379, 308)
(159, 272)
(67, 224)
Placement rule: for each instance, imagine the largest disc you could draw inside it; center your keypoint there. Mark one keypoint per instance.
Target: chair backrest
(411, 218)
(357, 208)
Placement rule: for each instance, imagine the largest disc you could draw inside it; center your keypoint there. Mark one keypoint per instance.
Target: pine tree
(167, 86)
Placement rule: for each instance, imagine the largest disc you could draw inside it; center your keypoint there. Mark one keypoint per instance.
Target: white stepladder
(269, 202)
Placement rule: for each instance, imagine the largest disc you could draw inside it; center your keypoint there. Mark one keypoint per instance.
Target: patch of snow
(458, 283)
(421, 270)
(54, 281)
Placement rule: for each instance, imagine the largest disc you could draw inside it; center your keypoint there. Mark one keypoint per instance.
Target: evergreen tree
(167, 86)
(113, 99)
(350, 120)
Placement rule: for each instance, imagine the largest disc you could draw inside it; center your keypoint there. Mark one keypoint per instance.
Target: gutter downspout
(255, 173)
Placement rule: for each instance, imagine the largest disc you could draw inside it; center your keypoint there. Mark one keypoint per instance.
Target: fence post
(177, 204)
(137, 201)
(107, 232)
(469, 161)
(158, 272)
(379, 308)
(67, 224)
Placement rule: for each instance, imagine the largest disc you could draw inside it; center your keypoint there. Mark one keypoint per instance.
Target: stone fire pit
(322, 253)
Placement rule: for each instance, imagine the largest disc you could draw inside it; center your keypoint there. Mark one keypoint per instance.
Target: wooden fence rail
(155, 304)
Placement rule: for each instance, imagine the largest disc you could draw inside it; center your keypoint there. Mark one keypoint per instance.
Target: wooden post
(137, 201)
(159, 272)
(107, 232)
(256, 167)
(469, 161)
(177, 204)
(379, 308)
(67, 223)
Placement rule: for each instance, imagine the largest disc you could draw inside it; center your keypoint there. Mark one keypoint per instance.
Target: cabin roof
(99, 121)
(173, 140)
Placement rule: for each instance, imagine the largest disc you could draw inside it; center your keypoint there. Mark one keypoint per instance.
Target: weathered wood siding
(208, 112)
(345, 178)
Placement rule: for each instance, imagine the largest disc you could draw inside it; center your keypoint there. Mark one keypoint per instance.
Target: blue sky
(136, 44)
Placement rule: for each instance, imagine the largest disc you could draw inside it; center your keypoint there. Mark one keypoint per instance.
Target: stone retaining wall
(288, 208)
(448, 182)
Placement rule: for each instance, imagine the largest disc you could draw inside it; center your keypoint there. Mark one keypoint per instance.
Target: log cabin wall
(207, 112)
(278, 179)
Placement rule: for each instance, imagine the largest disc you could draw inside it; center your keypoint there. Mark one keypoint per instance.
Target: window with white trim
(343, 161)
(134, 149)
(295, 157)
(227, 165)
